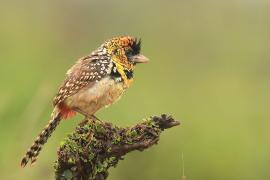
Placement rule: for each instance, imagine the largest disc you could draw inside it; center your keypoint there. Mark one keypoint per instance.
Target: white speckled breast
(96, 96)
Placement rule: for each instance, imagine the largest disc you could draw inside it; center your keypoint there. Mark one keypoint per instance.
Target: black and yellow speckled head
(125, 51)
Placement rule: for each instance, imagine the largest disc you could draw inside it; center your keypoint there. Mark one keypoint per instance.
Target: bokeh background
(209, 68)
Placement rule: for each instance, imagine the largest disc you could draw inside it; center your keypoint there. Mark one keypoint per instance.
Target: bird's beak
(140, 59)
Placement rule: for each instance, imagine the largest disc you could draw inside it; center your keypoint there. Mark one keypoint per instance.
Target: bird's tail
(33, 151)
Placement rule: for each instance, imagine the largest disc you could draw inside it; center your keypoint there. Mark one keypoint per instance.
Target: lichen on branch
(95, 146)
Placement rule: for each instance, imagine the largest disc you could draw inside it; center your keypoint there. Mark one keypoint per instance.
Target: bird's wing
(88, 70)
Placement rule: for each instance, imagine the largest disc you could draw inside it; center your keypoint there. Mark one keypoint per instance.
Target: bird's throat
(125, 74)
(120, 71)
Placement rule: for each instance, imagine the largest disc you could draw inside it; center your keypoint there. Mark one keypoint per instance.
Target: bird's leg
(94, 117)
(86, 115)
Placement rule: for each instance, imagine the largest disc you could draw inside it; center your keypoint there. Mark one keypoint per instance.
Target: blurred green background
(209, 68)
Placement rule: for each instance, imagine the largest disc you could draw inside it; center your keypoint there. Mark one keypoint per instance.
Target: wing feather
(89, 69)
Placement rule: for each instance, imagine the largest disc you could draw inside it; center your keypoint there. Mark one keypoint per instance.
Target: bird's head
(125, 51)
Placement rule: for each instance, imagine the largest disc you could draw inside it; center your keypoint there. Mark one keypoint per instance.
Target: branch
(95, 146)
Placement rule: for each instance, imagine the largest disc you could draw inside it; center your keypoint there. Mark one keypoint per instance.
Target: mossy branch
(95, 146)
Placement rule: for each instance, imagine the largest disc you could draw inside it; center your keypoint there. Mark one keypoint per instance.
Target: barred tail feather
(33, 151)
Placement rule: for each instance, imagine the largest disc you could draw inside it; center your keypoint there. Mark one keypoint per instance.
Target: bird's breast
(96, 96)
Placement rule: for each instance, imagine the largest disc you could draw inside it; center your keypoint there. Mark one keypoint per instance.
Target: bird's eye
(129, 53)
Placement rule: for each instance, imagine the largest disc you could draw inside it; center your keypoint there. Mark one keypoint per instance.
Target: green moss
(116, 139)
(99, 128)
(132, 133)
(90, 147)
(71, 160)
(67, 174)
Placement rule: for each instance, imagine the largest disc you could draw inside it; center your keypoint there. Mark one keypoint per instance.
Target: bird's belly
(91, 99)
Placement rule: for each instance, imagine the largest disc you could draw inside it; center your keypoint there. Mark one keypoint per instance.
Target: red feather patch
(66, 112)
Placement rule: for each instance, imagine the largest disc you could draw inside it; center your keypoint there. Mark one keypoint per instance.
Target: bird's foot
(94, 118)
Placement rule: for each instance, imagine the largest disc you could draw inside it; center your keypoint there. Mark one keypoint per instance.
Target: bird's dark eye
(129, 53)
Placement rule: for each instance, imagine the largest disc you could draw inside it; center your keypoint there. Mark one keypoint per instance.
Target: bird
(95, 81)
